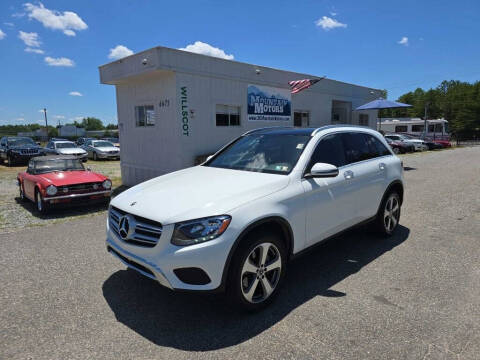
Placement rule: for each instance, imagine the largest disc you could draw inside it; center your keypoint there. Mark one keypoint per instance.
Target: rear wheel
(21, 192)
(257, 272)
(10, 161)
(388, 215)
(95, 157)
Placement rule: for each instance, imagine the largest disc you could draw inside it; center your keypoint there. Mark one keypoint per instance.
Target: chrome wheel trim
(391, 213)
(261, 272)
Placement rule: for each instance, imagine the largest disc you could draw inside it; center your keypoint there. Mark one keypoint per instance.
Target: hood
(26, 146)
(61, 178)
(197, 192)
(107, 148)
(70, 151)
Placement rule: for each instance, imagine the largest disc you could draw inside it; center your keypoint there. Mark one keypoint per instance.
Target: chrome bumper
(74, 196)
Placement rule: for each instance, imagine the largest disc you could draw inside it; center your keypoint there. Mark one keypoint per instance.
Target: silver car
(101, 149)
(65, 147)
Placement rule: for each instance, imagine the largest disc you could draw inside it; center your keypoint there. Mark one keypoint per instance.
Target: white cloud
(30, 39)
(59, 117)
(403, 41)
(61, 61)
(18, 15)
(119, 52)
(9, 24)
(327, 23)
(333, 13)
(206, 49)
(20, 119)
(69, 32)
(36, 51)
(2, 34)
(75, 93)
(66, 21)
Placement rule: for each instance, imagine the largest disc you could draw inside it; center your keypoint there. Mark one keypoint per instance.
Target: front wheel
(388, 215)
(40, 204)
(257, 272)
(10, 161)
(95, 157)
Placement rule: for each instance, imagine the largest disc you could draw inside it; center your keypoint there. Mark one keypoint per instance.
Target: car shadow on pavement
(196, 322)
(63, 211)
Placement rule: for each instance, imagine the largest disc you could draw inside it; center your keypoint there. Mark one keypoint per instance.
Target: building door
(301, 119)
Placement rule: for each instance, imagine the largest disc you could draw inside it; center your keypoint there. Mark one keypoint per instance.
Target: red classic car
(59, 179)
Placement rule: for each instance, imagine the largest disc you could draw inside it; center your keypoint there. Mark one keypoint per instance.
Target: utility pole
(46, 122)
(425, 121)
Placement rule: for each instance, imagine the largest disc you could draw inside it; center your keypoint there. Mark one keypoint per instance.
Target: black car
(18, 149)
(82, 140)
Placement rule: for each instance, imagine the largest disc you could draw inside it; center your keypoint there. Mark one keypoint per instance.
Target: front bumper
(108, 155)
(160, 261)
(91, 196)
(23, 158)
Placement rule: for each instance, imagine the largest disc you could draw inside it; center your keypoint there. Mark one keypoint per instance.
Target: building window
(227, 115)
(301, 118)
(401, 128)
(363, 119)
(144, 115)
(417, 128)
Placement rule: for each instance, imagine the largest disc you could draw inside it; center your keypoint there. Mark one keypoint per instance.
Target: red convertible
(59, 179)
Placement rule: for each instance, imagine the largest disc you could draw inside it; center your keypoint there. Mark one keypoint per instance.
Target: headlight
(51, 190)
(200, 230)
(107, 184)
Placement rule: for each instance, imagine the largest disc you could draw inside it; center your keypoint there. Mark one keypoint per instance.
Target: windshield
(269, 153)
(44, 166)
(102, 144)
(113, 140)
(65, 145)
(20, 142)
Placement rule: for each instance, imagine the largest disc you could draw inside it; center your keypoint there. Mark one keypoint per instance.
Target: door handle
(348, 174)
(382, 166)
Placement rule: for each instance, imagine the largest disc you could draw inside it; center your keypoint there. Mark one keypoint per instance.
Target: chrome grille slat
(145, 233)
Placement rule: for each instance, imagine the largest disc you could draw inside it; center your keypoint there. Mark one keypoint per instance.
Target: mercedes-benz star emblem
(124, 226)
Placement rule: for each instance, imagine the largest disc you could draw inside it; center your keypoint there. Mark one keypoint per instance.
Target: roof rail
(336, 126)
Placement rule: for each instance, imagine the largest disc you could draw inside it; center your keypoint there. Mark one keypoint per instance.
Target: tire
(40, 205)
(10, 161)
(251, 284)
(21, 193)
(396, 151)
(388, 215)
(95, 157)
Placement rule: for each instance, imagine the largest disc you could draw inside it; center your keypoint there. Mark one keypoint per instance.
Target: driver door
(29, 182)
(329, 204)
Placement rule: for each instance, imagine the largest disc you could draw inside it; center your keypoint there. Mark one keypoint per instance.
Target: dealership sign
(268, 104)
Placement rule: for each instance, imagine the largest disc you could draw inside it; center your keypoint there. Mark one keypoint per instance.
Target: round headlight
(51, 190)
(107, 184)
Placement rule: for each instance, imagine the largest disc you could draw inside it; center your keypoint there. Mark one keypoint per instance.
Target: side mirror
(322, 170)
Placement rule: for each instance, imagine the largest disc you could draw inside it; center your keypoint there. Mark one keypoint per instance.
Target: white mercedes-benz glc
(233, 223)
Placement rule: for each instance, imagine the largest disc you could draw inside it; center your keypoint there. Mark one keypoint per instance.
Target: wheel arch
(270, 223)
(394, 185)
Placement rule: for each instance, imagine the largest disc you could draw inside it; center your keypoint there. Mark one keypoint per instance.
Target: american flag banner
(299, 85)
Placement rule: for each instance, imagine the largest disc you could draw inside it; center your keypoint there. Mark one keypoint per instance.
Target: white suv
(235, 221)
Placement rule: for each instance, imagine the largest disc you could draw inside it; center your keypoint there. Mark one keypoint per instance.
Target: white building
(175, 106)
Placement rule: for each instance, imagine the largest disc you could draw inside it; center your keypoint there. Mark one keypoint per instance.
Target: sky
(50, 50)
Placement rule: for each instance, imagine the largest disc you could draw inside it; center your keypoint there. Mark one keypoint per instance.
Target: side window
(356, 147)
(30, 167)
(144, 115)
(50, 145)
(329, 150)
(88, 143)
(379, 147)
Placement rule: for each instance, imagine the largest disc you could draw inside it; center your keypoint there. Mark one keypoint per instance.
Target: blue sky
(50, 51)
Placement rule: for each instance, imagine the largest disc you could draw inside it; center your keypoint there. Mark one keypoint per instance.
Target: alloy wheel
(391, 213)
(261, 272)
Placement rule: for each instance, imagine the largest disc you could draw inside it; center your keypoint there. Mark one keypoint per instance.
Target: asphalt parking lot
(413, 296)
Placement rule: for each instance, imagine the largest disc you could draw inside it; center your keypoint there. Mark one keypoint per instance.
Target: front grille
(144, 233)
(81, 188)
(113, 152)
(29, 151)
